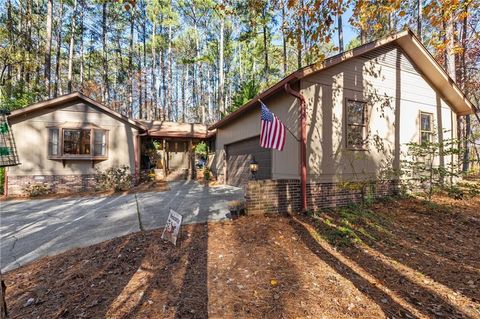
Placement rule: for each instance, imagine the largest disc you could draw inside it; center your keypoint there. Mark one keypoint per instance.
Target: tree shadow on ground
(171, 281)
(61, 283)
(135, 276)
(383, 261)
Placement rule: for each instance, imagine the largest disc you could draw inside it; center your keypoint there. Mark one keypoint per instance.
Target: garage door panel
(239, 156)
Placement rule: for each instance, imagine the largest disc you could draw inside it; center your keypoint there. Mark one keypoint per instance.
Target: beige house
(361, 109)
(62, 142)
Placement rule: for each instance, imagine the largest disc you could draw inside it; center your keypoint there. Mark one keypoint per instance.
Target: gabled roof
(74, 96)
(406, 40)
(175, 129)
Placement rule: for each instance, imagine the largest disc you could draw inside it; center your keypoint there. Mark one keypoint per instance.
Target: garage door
(240, 154)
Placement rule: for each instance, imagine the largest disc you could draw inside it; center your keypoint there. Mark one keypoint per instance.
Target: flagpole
(298, 140)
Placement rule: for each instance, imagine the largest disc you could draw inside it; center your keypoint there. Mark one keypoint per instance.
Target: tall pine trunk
(71, 51)
(11, 40)
(221, 78)
(468, 127)
(48, 48)
(130, 64)
(184, 83)
(265, 43)
(58, 80)
(419, 20)
(144, 75)
(170, 75)
(340, 30)
(153, 87)
(106, 88)
(82, 30)
(141, 114)
(284, 39)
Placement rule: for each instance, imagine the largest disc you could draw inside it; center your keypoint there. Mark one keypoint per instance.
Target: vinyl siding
(395, 92)
(285, 108)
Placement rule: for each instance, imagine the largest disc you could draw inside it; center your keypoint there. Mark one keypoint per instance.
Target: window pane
(53, 142)
(425, 137)
(99, 143)
(355, 136)
(355, 112)
(426, 120)
(76, 142)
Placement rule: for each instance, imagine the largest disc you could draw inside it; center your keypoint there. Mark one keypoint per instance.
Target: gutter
(303, 144)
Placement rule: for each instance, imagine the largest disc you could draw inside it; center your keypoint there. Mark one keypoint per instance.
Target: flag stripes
(272, 130)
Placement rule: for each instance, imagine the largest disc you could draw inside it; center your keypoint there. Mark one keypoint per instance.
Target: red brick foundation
(17, 185)
(272, 196)
(277, 196)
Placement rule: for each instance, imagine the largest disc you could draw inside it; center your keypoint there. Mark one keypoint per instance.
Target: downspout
(136, 156)
(303, 145)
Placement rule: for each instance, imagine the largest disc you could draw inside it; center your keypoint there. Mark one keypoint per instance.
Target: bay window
(80, 143)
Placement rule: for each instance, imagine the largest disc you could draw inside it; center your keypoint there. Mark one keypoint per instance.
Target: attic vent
(8, 151)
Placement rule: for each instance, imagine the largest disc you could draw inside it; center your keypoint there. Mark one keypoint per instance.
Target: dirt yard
(397, 259)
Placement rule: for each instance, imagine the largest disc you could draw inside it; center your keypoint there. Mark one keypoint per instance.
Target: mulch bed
(154, 186)
(418, 263)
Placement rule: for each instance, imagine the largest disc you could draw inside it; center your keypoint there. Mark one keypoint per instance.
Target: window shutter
(53, 142)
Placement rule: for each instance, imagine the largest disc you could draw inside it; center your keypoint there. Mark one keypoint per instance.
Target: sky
(348, 32)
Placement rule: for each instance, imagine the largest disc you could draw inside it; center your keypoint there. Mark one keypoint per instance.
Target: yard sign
(172, 228)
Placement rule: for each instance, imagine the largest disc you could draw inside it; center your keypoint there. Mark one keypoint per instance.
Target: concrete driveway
(30, 229)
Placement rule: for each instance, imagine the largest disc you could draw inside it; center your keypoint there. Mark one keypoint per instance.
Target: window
(53, 142)
(100, 143)
(77, 143)
(426, 127)
(356, 116)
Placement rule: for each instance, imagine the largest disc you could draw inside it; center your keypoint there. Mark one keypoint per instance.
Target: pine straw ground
(396, 259)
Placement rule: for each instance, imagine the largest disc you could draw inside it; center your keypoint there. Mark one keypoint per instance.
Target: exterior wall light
(253, 167)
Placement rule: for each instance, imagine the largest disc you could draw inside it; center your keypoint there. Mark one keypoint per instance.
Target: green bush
(201, 149)
(114, 178)
(37, 189)
(455, 192)
(206, 174)
(421, 170)
(2, 180)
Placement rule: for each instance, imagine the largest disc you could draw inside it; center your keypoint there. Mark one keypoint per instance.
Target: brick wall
(55, 183)
(272, 196)
(276, 196)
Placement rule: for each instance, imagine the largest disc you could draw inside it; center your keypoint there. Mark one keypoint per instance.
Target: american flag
(273, 131)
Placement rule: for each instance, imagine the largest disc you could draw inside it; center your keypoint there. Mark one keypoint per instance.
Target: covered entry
(239, 155)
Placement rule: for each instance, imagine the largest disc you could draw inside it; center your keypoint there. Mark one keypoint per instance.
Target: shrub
(201, 149)
(114, 178)
(37, 189)
(206, 174)
(2, 179)
(455, 192)
(422, 170)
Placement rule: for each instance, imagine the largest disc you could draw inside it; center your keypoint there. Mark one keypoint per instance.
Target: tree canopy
(195, 61)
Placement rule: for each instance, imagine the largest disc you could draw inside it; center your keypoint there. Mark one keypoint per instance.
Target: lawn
(395, 259)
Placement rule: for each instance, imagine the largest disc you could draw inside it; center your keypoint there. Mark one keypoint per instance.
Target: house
(351, 117)
(62, 142)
